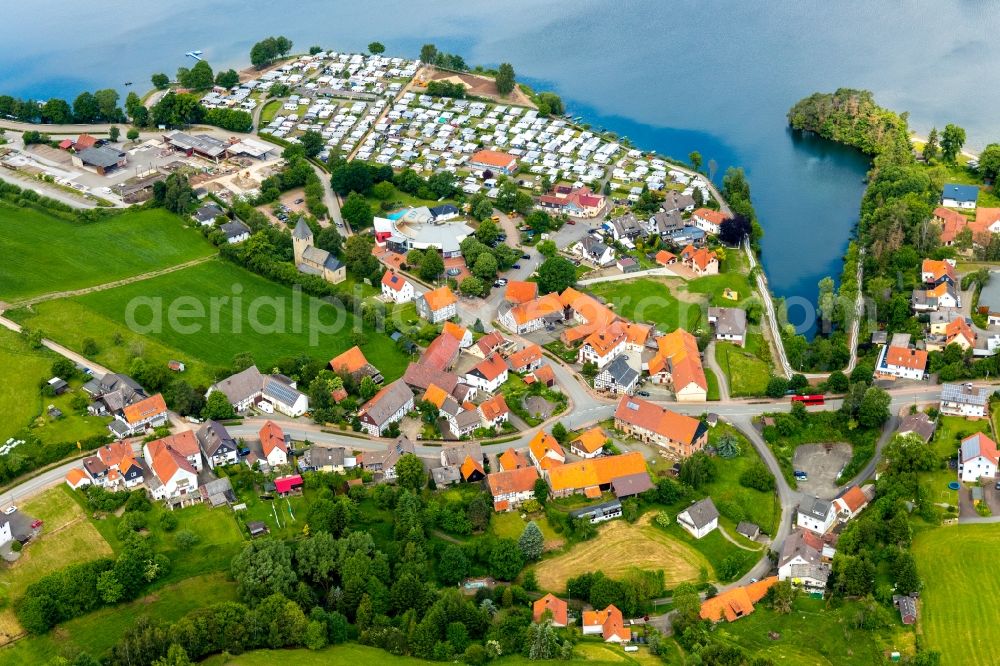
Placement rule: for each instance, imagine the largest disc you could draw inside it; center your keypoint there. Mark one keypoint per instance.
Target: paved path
(728, 537)
(772, 319)
(716, 369)
(59, 349)
(112, 285)
(649, 272)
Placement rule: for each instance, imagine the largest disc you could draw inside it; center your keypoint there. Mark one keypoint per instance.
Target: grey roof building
(749, 530)
(617, 376)
(631, 484)
(701, 513)
(207, 213)
(729, 323)
(235, 231)
(957, 395)
(215, 439)
(918, 424)
(103, 158)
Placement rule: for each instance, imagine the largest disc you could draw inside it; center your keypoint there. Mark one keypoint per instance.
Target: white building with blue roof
(959, 196)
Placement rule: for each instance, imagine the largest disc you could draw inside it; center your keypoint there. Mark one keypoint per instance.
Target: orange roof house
(512, 486)
(545, 374)
(665, 258)
(145, 410)
(591, 475)
(987, 222)
(524, 313)
(352, 362)
(272, 437)
(558, 608)
(437, 304)
(933, 271)
(952, 222)
(958, 330)
(608, 623)
(460, 333)
(904, 357)
(545, 451)
(678, 362)
(513, 459)
(649, 422)
(852, 501)
(76, 477)
(435, 395)
(518, 291)
(113, 454)
(589, 442)
(494, 408)
(472, 470)
(526, 359)
(490, 368)
(712, 218)
(736, 603)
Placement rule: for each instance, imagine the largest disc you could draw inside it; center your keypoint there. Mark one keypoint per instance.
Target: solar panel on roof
(633, 406)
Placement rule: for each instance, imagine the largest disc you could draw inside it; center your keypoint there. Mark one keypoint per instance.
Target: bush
(758, 477)
(186, 539)
(16, 546)
(168, 521)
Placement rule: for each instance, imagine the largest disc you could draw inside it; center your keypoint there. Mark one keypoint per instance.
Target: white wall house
(977, 458)
(700, 518)
(396, 288)
(965, 400)
(816, 515)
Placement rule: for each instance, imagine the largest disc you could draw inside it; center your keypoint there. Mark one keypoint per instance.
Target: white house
(804, 560)
(601, 347)
(396, 288)
(269, 393)
(175, 474)
(977, 458)
(6, 535)
(274, 444)
(387, 407)
(594, 251)
(437, 305)
(217, 445)
(488, 375)
(959, 196)
(899, 360)
(965, 400)
(708, 220)
(700, 518)
(816, 515)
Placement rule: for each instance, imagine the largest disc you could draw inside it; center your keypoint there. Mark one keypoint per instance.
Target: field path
(111, 285)
(733, 541)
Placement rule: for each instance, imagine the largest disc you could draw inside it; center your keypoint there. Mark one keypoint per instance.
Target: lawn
(747, 368)
(950, 432)
(618, 547)
(957, 597)
(269, 111)
(97, 632)
(67, 538)
(239, 311)
(76, 255)
(712, 287)
(743, 503)
(813, 633)
(511, 524)
(23, 368)
(713, 385)
(650, 301)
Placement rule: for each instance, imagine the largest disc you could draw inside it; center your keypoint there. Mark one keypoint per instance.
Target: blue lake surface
(674, 76)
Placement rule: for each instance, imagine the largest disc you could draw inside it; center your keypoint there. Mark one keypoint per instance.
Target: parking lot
(822, 462)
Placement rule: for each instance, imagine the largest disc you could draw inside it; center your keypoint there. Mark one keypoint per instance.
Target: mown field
(68, 538)
(55, 255)
(746, 367)
(23, 369)
(619, 547)
(269, 323)
(650, 300)
(961, 591)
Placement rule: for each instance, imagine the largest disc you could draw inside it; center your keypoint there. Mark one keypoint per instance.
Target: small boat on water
(194, 54)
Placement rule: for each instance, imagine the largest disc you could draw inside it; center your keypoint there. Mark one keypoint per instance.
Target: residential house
(677, 363)
(700, 260)
(545, 451)
(327, 458)
(665, 258)
(545, 375)
(354, 364)
(816, 515)
(419, 377)
(648, 422)
(730, 324)
(510, 488)
(557, 609)
(384, 462)
(598, 513)
(749, 530)
(989, 299)
(217, 444)
(590, 443)
(531, 316)
(617, 377)
(603, 346)
(235, 232)
(526, 360)
(437, 305)
(112, 393)
(595, 251)
(959, 196)
(491, 343)
(96, 470)
(951, 223)
(518, 291)
(802, 561)
(965, 400)
(626, 228)
(608, 623)
(700, 518)
(708, 220)
(735, 603)
(275, 444)
(139, 417)
(442, 352)
(170, 460)
(396, 288)
(852, 502)
(461, 334)
(494, 161)
(457, 454)
(593, 476)
(387, 407)
(977, 458)
(493, 413)
(512, 459)
(573, 201)
(907, 606)
(76, 478)
(933, 272)
(899, 360)
(488, 375)
(955, 332)
(918, 424)
(268, 393)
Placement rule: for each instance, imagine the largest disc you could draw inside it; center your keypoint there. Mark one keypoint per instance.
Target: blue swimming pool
(395, 216)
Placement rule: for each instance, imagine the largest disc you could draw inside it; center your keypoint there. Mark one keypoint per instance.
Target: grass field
(712, 286)
(511, 525)
(269, 322)
(950, 432)
(957, 597)
(746, 367)
(813, 633)
(55, 255)
(618, 547)
(23, 369)
(758, 507)
(650, 300)
(67, 538)
(97, 632)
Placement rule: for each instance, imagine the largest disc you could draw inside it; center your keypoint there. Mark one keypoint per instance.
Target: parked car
(526, 256)
(298, 201)
(516, 266)
(36, 524)
(9, 510)
(644, 394)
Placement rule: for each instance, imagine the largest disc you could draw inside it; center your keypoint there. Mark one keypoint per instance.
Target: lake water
(716, 77)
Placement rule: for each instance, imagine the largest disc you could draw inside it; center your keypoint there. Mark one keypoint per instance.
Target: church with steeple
(312, 260)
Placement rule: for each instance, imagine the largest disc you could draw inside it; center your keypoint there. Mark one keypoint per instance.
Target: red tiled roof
(517, 480)
(518, 291)
(553, 604)
(393, 280)
(913, 359)
(441, 353)
(145, 409)
(440, 298)
(272, 437)
(350, 361)
(650, 416)
(492, 158)
(490, 367)
(494, 407)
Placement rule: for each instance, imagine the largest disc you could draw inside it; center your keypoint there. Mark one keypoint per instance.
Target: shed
(749, 530)
(257, 528)
(287, 484)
